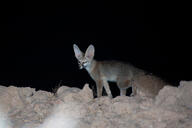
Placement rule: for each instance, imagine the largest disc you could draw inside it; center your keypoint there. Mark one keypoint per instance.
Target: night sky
(38, 49)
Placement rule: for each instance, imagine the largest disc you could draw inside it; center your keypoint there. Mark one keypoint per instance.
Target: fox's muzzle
(82, 65)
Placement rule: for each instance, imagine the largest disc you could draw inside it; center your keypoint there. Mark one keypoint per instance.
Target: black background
(37, 50)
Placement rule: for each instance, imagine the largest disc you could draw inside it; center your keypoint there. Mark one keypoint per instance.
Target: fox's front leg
(107, 89)
(99, 85)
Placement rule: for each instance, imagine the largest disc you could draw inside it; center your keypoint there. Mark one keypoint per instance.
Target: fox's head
(84, 60)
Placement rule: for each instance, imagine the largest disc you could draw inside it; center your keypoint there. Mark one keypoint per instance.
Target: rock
(4, 122)
(86, 93)
(172, 96)
(10, 100)
(168, 96)
(64, 90)
(185, 88)
(67, 94)
(76, 108)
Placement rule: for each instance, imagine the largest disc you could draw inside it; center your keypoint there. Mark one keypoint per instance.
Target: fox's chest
(111, 78)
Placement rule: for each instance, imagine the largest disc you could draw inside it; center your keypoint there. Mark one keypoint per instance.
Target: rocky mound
(76, 108)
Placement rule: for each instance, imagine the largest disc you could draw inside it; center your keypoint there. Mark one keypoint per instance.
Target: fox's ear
(90, 52)
(78, 53)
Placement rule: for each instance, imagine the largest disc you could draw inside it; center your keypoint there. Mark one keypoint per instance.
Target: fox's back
(111, 70)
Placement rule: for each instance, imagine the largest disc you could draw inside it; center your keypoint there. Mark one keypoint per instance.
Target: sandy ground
(76, 108)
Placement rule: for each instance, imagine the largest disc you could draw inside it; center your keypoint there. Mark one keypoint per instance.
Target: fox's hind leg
(123, 85)
(134, 91)
(123, 92)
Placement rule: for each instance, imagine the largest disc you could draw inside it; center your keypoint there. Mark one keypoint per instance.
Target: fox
(103, 72)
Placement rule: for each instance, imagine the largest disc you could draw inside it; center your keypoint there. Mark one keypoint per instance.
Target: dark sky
(38, 48)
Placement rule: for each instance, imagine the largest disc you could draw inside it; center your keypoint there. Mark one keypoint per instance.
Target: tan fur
(147, 85)
(103, 71)
(113, 71)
